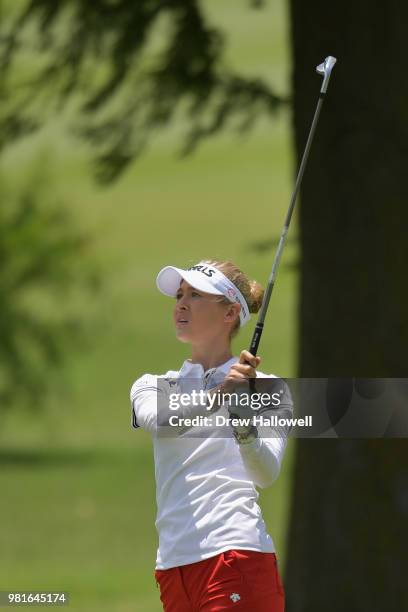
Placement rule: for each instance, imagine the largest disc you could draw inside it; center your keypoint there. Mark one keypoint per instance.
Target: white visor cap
(205, 278)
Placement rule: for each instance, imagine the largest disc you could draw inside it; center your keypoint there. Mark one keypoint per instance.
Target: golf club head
(325, 69)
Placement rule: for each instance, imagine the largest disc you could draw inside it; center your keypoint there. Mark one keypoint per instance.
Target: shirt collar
(196, 369)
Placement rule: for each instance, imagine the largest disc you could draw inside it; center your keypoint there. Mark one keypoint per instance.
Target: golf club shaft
(271, 281)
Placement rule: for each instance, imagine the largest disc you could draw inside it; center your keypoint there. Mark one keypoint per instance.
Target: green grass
(82, 522)
(77, 506)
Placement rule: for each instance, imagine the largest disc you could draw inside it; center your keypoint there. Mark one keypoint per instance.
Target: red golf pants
(241, 580)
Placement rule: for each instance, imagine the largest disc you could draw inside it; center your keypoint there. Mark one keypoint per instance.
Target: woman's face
(199, 316)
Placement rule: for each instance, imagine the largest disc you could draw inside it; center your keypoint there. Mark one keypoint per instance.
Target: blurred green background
(77, 483)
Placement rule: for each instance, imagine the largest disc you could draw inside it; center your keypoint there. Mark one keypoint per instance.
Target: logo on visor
(232, 294)
(204, 269)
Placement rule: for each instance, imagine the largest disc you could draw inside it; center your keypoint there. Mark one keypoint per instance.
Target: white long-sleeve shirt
(205, 486)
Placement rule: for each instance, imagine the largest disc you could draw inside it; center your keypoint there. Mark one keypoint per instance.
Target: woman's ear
(232, 312)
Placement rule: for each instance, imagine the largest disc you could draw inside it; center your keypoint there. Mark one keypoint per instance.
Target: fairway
(78, 502)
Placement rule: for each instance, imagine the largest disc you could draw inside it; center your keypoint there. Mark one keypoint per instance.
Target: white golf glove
(244, 431)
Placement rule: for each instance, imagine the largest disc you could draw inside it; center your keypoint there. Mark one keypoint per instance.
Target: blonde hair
(250, 289)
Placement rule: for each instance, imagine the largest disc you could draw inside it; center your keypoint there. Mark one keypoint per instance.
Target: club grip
(256, 338)
(253, 348)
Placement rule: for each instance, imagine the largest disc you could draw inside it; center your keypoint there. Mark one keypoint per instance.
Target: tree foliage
(40, 254)
(133, 66)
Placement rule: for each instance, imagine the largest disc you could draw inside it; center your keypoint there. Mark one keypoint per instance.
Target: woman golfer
(214, 551)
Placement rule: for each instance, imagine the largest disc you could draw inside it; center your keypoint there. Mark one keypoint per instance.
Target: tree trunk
(349, 523)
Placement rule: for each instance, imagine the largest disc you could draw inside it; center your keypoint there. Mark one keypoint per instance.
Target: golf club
(324, 69)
